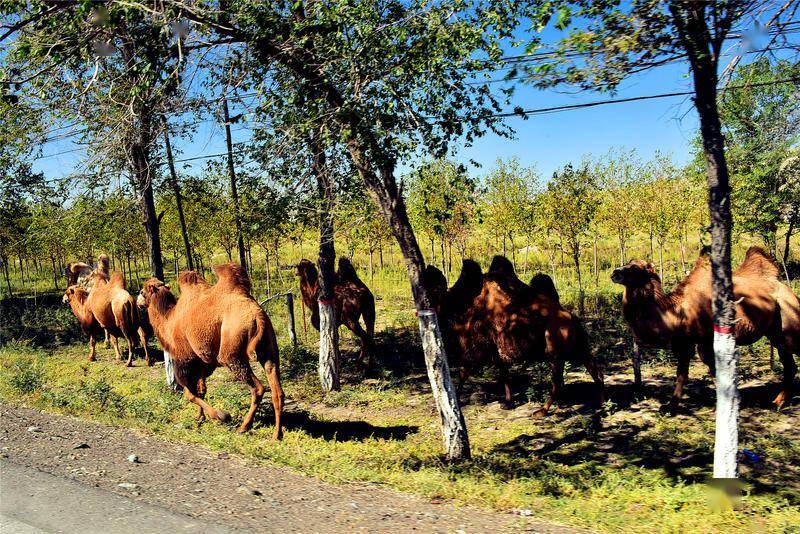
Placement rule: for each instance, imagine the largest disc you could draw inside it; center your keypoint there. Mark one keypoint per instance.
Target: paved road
(62, 474)
(32, 501)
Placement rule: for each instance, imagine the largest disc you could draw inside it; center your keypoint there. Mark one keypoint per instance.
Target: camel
(352, 299)
(76, 296)
(211, 326)
(496, 318)
(115, 311)
(81, 273)
(682, 320)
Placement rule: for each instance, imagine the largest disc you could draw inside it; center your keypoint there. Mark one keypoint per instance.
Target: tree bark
(328, 328)
(176, 190)
(143, 181)
(690, 20)
(234, 190)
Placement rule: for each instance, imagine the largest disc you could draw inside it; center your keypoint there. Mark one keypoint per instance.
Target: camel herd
(487, 319)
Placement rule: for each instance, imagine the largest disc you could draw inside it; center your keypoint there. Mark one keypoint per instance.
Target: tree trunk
(7, 276)
(621, 249)
(143, 182)
(576, 257)
(691, 23)
(55, 271)
(383, 189)
(266, 267)
(328, 328)
(594, 259)
(176, 190)
(234, 190)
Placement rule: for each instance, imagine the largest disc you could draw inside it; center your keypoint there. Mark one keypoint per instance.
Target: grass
(634, 470)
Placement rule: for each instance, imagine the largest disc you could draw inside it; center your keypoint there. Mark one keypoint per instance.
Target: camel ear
(650, 268)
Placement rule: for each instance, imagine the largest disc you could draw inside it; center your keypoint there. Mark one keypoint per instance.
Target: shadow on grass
(295, 419)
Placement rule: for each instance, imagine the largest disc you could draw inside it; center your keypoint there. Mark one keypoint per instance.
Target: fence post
(290, 309)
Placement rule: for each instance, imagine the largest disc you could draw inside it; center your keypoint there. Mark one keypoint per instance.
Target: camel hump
(232, 275)
(758, 262)
(191, 278)
(542, 284)
(502, 265)
(346, 270)
(470, 280)
(117, 280)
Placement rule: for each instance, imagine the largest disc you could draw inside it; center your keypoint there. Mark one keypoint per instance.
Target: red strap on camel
(326, 301)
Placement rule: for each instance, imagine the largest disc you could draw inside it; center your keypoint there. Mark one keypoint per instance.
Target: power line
(539, 111)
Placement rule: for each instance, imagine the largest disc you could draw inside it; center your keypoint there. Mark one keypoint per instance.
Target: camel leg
(597, 376)
(115, 344)
(684, 354)
(365, 356)
(789, 372)
(244, 373)
(105, 342)
(706, 353)
(555, 388)
(463, 375)
(503, 377)
(92, 342)
(129, 363)
(193, 384)
(272, 370)
(637, 366)
(201, 393)
(143, 339)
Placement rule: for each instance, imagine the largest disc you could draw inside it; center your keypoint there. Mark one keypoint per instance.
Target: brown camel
(115, 310)
(81, 273)
(352, 299)
(496, 318)
(212, 326)
(77, 297)
(682, 320)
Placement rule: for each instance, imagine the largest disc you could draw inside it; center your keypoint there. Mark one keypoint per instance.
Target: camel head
(502, 265)
(74, 292)
(435, 285)
(151, 287)
(637, 273)
(306, 271)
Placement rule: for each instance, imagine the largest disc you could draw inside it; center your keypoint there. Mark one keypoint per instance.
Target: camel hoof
(538, 414)
(278, 435)
(129, 364)
(91, 359)
(243, 429)
(780, 401)
(223, 416)
(670, 408)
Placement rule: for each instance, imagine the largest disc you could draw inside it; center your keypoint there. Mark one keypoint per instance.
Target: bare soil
(223, 489)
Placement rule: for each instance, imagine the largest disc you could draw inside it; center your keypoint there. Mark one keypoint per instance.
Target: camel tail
(581, 351)
(263, 343)
(127, 320)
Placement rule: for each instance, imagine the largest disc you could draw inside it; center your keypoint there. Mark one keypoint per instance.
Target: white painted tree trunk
(454, 429)
(328, 348)
(169, 371)
(726, 439)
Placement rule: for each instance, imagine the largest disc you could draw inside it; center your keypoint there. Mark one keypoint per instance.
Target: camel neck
(649, 312)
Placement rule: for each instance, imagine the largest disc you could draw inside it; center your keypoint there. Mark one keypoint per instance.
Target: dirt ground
(223, 489)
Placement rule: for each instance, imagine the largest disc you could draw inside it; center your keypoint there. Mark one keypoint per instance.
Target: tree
(760, 124)
(440, 198)
(116, 70)
(614, 41)
(507, 200)
(617, 174)
(570, 202)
